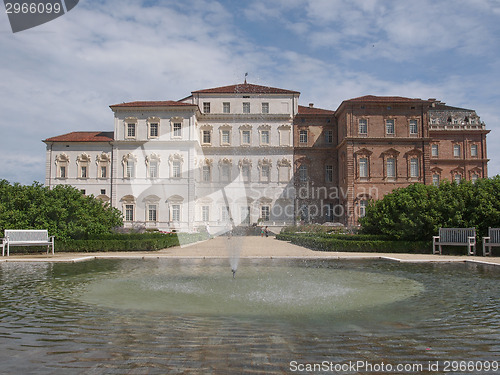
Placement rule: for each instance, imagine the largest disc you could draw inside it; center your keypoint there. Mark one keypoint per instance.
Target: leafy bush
(64, 211)
(416, 212)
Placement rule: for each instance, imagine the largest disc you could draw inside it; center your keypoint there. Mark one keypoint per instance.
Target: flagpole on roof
(246, 74)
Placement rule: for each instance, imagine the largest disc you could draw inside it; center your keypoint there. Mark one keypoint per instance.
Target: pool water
(183, 316)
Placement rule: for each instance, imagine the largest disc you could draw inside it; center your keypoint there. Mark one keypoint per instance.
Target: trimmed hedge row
(355, 243)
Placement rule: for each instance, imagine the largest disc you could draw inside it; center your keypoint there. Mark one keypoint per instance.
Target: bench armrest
(486, 239)
(472, 239)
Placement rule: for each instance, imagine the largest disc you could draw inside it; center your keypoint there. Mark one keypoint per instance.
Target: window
(153, 130)
(177, 129)
(205, 213)
(329, 173)
(206, 107)
(130, 130)
(389, 127)
(225, 173)
(363, 126)
(205, 175)
(152, 213)
(303, 136)
(83, 171)
(413, 127)
(473, 151)
(362, 207)
(456, 151)
(129, 212)
(62, 162)
(62, 171)
(303, 173)
(284, 136)
(176, 212)
(265, 107)
(245, 137)
(176, 169)
(458, 178)
(435, 151)
(474, 178)
(207, 136)
(284, 173)
(363, 168)
(226, 107)
(246, 107)
(264, 137)
(153, 169)
(414, 169)
(130, 170)
(104, 172)
(264, 173)
(435, 179)
(264, 213)
(82, 191)
(103, 191)
(329, 136)
(391, 168)
(245, 171)
(225, 135)
(224, 214)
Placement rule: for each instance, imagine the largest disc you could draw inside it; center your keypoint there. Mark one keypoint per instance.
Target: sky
(63, 75)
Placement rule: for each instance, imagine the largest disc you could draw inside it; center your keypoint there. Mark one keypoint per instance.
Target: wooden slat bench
(455, 237)
(26, 237)
(493, 239)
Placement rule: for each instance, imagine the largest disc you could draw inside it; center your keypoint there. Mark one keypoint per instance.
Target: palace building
(247, 154)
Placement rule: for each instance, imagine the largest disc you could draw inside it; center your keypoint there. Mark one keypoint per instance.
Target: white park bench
(493, 239)
(455, 237)
(26, 237)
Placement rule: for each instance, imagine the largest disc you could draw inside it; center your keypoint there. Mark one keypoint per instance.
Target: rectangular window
(103, 191)
(363, 167)
(205, 213)
(177, 129)
(264, 137)
(363, 126)
(246, 107)
(205, 173)
(435, 151)
(389, 127)
(414, 169)
(104, 171)
(225, 135)
(362, 208)
(329, 136)
(129, 212)
(207, 136)
(130, 169)
(153, 130)
(391, 168)
(226, 107)
(473, 151)
(245, 171)
(153, 169)
(413, 127)
(435, 179)
(264, 213)
(303, 173)
(458, 178)
(176, 169)
(303, 136)
(206, 107)
(329, 173)
(245, 137)
(224, 214)
(176, 212)
(226, 173)
(130, 130)
(265, 107)
(264, 173)
(474, 178)
(62, 172)
(152, 212)
(83, 172)
(456, 151)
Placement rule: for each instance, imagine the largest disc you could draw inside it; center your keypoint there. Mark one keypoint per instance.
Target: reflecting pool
(181, 316)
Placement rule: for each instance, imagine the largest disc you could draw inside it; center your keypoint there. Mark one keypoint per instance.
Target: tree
(63, 210)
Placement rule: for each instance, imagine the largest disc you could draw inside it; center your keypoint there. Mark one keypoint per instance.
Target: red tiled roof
(83, 137)
(314, 111)
(392, 99)
(165, 103)
(245, 88)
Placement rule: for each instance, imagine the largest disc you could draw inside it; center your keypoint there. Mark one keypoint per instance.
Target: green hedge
(355, 243)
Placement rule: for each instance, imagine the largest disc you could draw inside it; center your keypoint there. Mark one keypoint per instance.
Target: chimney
(311, 105)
